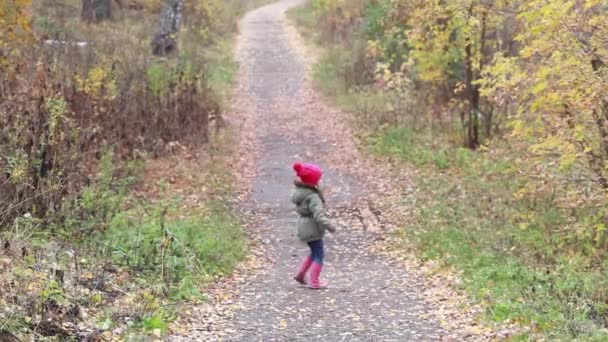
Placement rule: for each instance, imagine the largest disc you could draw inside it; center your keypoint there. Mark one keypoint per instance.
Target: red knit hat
(308, 173)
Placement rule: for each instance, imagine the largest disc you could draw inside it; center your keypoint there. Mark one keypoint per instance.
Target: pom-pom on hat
(308, 173)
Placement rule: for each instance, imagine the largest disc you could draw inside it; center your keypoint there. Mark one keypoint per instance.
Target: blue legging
(316, 251)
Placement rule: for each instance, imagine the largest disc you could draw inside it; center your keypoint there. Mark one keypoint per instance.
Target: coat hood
(299, 194)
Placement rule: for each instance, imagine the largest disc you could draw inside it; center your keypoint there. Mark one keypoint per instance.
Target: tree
(560, 80)
(450, 43)
(15, 31)
(96, 10)
(168, 26)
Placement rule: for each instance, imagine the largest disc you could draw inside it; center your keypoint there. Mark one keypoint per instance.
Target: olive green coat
(313, 221)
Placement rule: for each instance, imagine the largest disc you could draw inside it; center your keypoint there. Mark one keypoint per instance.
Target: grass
(137, 243)
(137, 249)
(468, 216)
(333, 74)
(465, 218)
(304, 18)
(222, 70)
(207, 242)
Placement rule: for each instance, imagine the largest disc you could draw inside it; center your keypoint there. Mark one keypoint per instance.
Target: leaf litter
(376, 292)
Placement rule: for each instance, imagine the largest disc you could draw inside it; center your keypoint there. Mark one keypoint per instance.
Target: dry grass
(97, 246)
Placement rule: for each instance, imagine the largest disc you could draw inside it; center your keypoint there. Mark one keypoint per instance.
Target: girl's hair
(311, 187)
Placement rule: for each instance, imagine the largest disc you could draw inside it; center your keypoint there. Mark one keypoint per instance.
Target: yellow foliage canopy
(14, 28)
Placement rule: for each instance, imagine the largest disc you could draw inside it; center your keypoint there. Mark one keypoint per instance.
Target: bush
(511, 258)
(114, 256)
(76, 122)
(72, 103)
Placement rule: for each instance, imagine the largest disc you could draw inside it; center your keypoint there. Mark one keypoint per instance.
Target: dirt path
(370, 298)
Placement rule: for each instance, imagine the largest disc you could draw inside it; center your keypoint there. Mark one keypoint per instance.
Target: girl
(312, 222)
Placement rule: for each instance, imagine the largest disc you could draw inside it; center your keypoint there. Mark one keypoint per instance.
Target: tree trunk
(601, 113)
(164, 41)
(96, 10)
(473, 98)
(596, 162)
(482, 54)
(472, 92)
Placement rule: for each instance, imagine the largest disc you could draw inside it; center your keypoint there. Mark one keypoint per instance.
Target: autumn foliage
(90, 248)
(63, 107)
(14, 28)
(528, 73)
(503, 107)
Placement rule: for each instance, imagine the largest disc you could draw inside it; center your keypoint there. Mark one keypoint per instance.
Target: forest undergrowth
(497, 108)
(114, 200)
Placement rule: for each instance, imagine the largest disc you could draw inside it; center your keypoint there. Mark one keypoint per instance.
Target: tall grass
(92, 252)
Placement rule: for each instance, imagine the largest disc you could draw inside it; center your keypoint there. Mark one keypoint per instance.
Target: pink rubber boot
(315, 273)
(303, 269)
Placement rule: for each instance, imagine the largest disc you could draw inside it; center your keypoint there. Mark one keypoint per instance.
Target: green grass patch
(124, 256)
(331, 77)
(401, 142)
(467, 218)
(327, 73)
(304, 18)
(221, 70)
(204, 244)
(556, 303)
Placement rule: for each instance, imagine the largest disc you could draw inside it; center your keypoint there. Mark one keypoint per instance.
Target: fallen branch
(65, 43)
